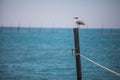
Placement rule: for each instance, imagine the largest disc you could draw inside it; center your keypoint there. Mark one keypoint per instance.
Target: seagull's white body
(78, 21)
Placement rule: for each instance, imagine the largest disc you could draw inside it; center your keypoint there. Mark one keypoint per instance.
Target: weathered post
(77, 49)
(77, 54)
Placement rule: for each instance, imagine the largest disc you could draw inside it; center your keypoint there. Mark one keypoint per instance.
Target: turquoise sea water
(45, 54)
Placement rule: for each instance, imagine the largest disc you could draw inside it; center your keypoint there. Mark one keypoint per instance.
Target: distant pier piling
(1, 29)
(18, 28)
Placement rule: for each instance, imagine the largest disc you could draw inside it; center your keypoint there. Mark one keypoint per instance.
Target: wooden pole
(18, 29)
(77, 53)
(1, 28)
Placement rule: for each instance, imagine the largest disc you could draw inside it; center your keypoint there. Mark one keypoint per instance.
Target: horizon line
(60, 27)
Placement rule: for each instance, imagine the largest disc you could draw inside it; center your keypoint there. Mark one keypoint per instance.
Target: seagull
(78, 21)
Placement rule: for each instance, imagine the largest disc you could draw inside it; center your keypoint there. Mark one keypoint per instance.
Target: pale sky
(60, 13)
